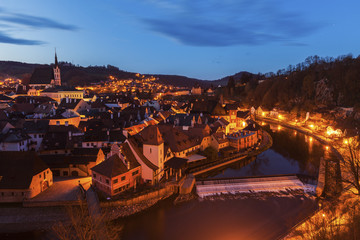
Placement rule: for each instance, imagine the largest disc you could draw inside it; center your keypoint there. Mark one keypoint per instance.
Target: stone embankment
(126, 207)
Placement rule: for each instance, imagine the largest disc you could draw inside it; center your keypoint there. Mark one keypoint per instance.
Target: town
(126, 144)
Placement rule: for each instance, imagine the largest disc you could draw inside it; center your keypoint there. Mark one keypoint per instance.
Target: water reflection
(292, 153)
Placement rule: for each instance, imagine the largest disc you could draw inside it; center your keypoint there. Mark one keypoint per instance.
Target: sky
(205, 39)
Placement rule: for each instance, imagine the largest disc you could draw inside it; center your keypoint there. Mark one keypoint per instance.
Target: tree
(82, 227)
(351, 164)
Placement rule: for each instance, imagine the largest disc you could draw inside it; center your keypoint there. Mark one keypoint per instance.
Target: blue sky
(206, 39)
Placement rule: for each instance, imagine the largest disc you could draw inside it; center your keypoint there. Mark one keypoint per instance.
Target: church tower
(57, 78)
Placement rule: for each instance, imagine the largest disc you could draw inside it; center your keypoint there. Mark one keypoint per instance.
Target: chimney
(66, 123)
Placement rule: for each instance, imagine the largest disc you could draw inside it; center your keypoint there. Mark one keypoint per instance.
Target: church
(46, 77)
(46, 81)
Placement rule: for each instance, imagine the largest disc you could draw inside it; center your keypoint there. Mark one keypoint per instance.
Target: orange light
(346, 141)
(327, 147)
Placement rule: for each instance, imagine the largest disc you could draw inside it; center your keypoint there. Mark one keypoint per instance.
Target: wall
(38, 182)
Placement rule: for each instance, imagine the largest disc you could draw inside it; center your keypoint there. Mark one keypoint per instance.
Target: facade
(15, 140)
(115, 174)
(60, 93)
(243, 139)
(23, 175)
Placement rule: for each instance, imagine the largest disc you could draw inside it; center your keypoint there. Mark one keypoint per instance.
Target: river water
(225, 218)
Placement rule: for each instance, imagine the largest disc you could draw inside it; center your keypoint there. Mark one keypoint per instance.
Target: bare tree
(351, 165)
(82, 227)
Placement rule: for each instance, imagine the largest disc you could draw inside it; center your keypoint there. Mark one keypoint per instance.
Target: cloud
(37, 22)
(228, 22)
(7, 39)
(19, 22)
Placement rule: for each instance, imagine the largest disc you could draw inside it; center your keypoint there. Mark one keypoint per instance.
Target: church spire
(56, 61)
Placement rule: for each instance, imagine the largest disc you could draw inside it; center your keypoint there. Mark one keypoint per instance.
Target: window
(107, 181)
(122, 178)
(2, 194)
(39, 175)
(135, 172)
(12, 193)
(94, 175)
(65, 173)
(150, 150)
(115, 181)
(22, 194)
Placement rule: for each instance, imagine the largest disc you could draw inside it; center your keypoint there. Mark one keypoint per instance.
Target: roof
(134, 145)
(252, 127)
(3, 97)
(36, 126)
(14, 136)
(42, 75)
(18, 168)
(152, 136)
(243, 114)
(111, 167)
(63, 161)
(67, 103)
(176, 163)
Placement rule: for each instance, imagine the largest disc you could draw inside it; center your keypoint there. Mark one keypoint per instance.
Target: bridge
(272, 183)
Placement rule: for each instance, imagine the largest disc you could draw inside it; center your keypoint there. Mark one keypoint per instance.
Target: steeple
(56, 61)
(56, 69)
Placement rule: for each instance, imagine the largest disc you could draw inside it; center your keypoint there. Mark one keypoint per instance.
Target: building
(15, 140)
(115, 174)
(23, 175)
(58, 93)
(45, 77)
(78, 163)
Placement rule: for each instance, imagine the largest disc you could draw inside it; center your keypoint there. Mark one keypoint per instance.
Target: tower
(57, 78)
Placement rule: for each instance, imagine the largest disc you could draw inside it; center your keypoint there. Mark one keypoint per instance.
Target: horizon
(207, 40)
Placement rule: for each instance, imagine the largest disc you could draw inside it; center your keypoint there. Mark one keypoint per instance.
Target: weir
(274, 183)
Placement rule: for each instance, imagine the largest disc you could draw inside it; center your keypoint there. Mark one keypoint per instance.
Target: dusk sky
(206, 39)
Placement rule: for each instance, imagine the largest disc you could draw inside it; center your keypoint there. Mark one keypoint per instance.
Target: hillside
(317, 83)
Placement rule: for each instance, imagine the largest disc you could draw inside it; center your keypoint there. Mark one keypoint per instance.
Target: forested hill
(315, 83)
(78, 75)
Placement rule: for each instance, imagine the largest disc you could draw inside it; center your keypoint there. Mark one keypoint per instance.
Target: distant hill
(77, 75)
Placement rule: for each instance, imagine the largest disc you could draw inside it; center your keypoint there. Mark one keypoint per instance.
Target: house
(77, 105)
(241, 118)
(196, 90)
(102, 138)
(36, 129)
(242, 139)
(23, 175)
(77, 163)
(221, 125)
(65, 117)
(219, 141)
(115, 174)
(15, 140)
(5, 126)
(61, 139)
